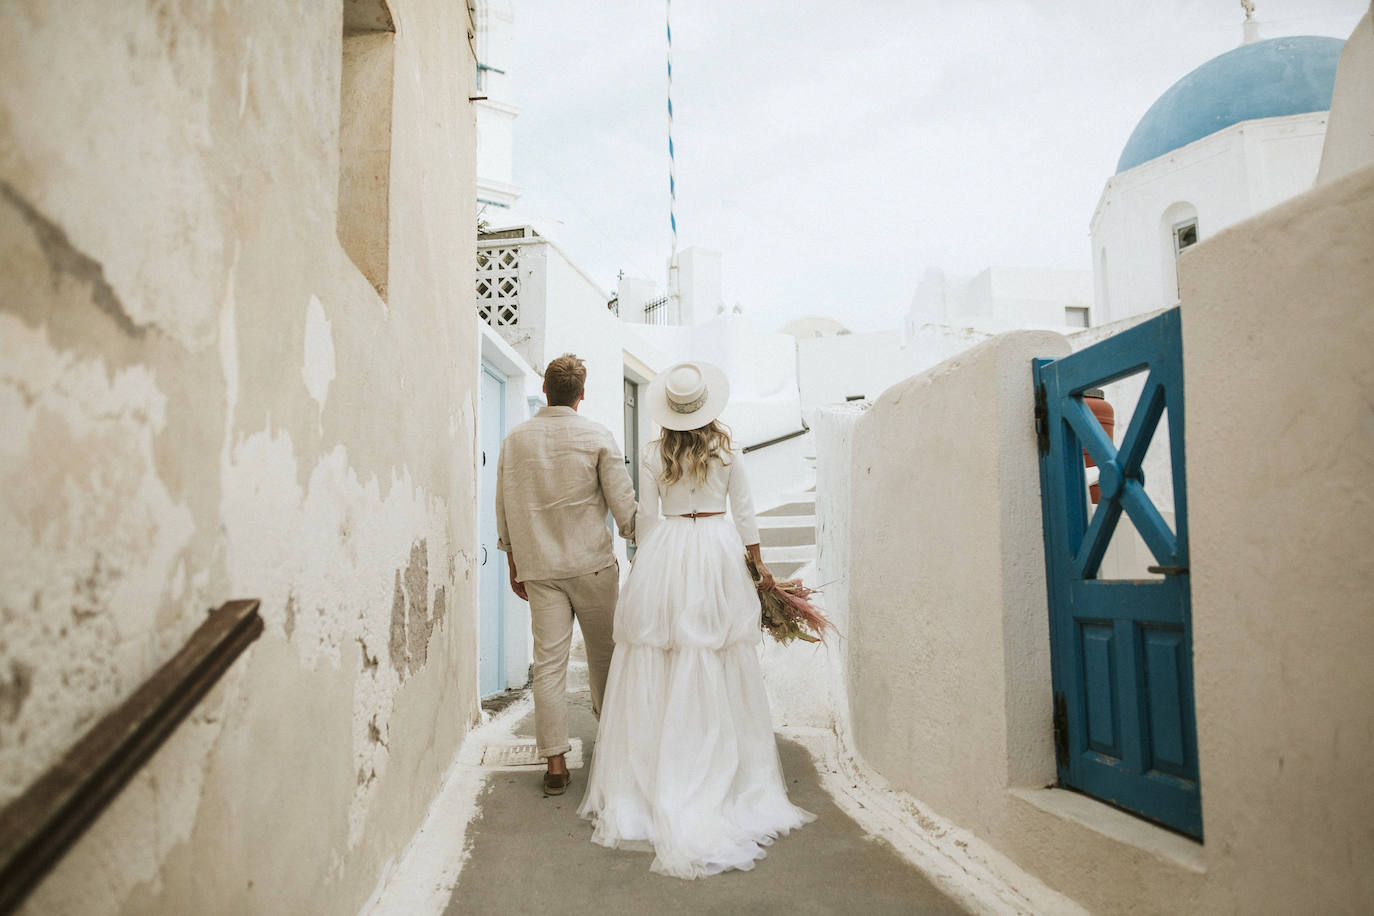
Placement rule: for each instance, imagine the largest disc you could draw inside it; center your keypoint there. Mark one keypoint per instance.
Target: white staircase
(787, 532)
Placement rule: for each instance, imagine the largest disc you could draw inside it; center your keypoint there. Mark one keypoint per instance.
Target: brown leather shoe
(556, 783)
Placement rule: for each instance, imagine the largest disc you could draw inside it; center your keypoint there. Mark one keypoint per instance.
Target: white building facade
(1238, 135)
(495, 108)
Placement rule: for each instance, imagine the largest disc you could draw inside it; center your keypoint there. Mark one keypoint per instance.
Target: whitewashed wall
(1281, 528)
(999, 298)
(494, 22)
(761, 368)
(947, 665)
(807, 683)
(699, 283)
(948, 316)
(948, 651)
(931, 344)
(1350, 135)
(834, 368)
(203, 398)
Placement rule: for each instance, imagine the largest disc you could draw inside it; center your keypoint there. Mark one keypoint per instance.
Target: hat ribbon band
(690, 406)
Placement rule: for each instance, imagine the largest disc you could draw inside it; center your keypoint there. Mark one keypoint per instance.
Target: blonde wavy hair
(688, 452)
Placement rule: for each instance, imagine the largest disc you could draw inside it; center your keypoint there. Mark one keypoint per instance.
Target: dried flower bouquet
(786, 611)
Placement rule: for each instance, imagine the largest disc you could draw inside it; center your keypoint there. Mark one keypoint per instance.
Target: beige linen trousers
(553, 604)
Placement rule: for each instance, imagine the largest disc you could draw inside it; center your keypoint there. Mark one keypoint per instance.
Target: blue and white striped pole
(672, 176)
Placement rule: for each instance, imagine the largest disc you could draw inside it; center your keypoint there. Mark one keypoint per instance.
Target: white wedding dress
(685, 758)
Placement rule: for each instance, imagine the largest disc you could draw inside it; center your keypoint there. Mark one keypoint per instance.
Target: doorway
(491, 673)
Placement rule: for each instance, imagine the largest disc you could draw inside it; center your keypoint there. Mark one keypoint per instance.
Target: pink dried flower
(786, 611)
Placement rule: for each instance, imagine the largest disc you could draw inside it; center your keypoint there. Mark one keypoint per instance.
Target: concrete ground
(531, 854)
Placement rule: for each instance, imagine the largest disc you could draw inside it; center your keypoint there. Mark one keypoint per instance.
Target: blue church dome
(1267, 79)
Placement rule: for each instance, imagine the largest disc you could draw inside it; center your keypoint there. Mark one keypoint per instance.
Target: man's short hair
(564, 380)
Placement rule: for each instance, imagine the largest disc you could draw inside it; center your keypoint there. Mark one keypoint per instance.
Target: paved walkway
(532, 854)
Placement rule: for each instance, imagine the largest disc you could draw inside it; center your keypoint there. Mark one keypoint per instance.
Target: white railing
(656, 311)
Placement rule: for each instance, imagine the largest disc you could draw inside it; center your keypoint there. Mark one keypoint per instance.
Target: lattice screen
(498, 286)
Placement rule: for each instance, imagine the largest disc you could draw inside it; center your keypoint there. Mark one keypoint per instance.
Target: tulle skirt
(685, 759)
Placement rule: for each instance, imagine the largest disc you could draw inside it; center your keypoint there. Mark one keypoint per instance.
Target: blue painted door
(491, 668)
(1121, 650)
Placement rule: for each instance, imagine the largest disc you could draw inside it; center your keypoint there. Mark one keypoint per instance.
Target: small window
(1185, 235)
(1076, 316)
(365, 85)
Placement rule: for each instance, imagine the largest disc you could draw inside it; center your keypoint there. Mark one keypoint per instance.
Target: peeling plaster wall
(203, 398)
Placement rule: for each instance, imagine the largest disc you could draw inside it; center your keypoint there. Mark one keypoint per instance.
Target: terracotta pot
(1106, 418)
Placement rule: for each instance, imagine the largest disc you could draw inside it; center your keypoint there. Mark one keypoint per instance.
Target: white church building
(1238, 135)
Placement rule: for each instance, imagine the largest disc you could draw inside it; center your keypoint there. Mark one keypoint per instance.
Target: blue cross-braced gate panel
(1121, 650)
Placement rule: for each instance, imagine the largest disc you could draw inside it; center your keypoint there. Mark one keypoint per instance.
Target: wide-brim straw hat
(688, 395)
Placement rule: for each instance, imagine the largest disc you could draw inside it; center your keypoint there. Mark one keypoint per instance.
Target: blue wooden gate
(1121, 650)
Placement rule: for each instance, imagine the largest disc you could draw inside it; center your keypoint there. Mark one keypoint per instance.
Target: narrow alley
(1034, 340)
(494, 843)
(532, 853)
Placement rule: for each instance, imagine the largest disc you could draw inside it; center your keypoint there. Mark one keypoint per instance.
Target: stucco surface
(1350, 136)
(833, 429)
(947, 669)
(938, 462)
(1281, 525)
(204, 399)
(948, 676)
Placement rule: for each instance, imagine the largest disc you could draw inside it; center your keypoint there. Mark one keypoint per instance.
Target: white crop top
(724, 483)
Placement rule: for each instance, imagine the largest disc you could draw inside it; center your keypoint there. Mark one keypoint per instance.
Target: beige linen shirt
(558, 475)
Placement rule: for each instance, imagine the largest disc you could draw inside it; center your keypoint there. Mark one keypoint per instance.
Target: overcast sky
(834, 151)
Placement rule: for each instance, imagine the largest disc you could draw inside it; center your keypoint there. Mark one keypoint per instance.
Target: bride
(685, 758)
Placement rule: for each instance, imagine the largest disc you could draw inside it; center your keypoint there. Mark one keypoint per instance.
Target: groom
(558, 475)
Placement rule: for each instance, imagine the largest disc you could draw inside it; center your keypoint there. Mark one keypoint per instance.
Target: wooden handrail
(38, 827)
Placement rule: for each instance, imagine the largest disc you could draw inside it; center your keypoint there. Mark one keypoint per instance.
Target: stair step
(785, 569)
(799, 552)
(799, 507)
(787, 521)
(790, 536)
